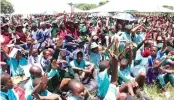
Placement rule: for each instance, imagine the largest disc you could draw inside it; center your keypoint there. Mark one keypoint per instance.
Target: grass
(154, 92)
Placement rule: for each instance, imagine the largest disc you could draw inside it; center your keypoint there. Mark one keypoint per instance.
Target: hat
(89, 16)
(93, 45)
(69, 35)
(54, 22)
(128, 27)
(160, 45)
(95, 37)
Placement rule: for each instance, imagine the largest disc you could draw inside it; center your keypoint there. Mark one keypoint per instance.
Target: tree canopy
(6, 7)
(85, 6)
(168, 7)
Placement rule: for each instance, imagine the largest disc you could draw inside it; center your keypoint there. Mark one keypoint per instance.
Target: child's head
(77, 88)
(153, 50)
(51, 51)
(6, 82)
(34, 53)
(123, 62)
(46, 54)
(156, 63)
(79, 56)
(35, 72)
(104, 65)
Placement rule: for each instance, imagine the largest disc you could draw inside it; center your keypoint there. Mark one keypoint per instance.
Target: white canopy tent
(135, 5)
(41, 7)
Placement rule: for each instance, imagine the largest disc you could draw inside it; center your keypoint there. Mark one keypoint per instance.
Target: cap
(93, 45)
(128, 27)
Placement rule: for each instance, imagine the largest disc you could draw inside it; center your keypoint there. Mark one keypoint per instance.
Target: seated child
(113, 92)
(40, 90)
(105, 84)
(7, 91)
(162, 75)
(80, 66)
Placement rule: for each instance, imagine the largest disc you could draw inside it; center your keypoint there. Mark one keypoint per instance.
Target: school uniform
(9, 95)
(16, 65)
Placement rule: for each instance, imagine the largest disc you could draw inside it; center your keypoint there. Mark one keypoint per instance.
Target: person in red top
(147, 45)
(5, 38)
(5, 34)
(71, 27)
(21, 37)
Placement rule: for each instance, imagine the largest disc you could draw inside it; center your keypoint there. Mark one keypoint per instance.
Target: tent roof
(40, 6)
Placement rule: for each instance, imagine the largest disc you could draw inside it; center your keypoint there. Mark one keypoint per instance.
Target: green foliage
(103, 2)
(84, 6)
(6, 7)
(168, 7)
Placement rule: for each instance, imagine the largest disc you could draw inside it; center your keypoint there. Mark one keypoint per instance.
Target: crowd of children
(81, 57)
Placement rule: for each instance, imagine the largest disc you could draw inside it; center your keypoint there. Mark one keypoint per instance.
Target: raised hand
(169, 56)
(54, 64)
(43, 82)
(44, 79)
(32, 41)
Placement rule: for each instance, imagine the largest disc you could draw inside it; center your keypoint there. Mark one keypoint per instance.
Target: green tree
(103, 2)
(168, 7)
(84, 6)
(6, 7)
